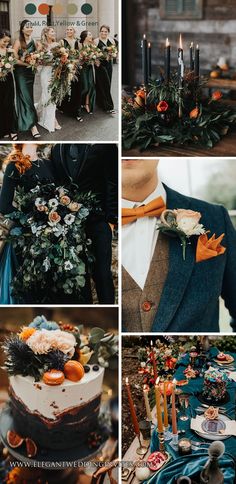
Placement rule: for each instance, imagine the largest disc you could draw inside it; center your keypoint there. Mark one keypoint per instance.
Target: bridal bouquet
(90, 55)
(110, 52)
(32, 59)
(7, 63)
(50, 241)
(65, 70)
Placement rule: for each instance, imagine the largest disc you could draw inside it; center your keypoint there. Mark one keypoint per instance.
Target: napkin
(196, 424)
(231, 374)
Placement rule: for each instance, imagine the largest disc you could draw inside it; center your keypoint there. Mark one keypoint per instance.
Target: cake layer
(51, 401)
(70, 428)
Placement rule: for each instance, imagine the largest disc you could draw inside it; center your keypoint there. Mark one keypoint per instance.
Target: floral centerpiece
(50, 241)
(7, 63)
(162, 113)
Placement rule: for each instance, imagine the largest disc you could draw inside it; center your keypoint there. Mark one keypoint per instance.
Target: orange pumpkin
(53, 377)
(73, 370)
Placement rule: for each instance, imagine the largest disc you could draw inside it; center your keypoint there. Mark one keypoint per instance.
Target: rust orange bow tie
(152, 209)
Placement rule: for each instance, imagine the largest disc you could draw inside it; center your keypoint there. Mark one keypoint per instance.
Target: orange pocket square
(208, 248)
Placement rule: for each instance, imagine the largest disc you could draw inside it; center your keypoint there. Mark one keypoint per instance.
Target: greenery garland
(151, 118)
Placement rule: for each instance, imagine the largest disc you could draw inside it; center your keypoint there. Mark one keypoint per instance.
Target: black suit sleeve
(10, 181)
(229, 280)
(111, 177)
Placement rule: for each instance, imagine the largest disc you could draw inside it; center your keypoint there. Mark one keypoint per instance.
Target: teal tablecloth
(191, 465)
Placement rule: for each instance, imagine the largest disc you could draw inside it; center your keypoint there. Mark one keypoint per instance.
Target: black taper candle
(144, 60)
(149, 60)
(167, 61)
(191, 57)
(196, 64)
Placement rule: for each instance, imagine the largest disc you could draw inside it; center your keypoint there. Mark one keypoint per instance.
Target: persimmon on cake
(56, 375)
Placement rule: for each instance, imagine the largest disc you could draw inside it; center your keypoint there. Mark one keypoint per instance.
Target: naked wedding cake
(56, 375)
(214, 386)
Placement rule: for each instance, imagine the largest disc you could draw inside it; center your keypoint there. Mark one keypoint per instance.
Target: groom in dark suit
(94, 167)
(162, 292)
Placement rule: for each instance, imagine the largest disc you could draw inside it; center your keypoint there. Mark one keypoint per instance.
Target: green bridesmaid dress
(88, 86)
(24, 76)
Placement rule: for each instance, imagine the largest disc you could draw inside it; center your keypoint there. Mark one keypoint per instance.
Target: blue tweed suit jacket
(190, 297)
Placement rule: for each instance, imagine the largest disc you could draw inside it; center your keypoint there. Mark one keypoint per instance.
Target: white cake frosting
(51, 401)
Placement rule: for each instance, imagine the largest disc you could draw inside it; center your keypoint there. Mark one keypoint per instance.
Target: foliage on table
(50, 241)
(166, 355)
(155, 121)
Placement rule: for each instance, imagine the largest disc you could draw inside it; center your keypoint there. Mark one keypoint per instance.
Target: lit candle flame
(151, 343)
(167, 42)
(197, 46)
(144, 36)
(191, 45)
(157, 380)
(127, 380)
(149, 45)
(180, 41)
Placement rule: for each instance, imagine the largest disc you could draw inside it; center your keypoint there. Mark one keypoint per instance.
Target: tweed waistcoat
(139, 306)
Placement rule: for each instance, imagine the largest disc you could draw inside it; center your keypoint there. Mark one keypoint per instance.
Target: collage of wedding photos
(117, 242)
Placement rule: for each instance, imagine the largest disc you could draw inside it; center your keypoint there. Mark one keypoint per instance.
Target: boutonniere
(184, 224)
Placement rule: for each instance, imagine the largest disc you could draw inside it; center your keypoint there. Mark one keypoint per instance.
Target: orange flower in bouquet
(216, 95)
(162, 106)
(194, 113)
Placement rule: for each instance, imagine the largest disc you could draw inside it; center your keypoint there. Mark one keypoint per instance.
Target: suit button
(146, 306)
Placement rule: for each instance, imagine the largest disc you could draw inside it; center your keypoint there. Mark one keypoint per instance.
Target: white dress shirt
(139, 239)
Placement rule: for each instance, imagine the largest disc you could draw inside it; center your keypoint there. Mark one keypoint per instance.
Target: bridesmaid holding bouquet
(71, 104)
(8, 123)
(24, 75)
(88, 76)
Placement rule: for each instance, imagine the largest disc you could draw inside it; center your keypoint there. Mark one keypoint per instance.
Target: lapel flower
(181, 223)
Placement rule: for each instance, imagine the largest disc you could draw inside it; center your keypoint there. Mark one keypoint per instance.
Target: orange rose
(54, 217)
(194, 113)
(216, 95)
(65, 200)
(162, 106)
(140, 93)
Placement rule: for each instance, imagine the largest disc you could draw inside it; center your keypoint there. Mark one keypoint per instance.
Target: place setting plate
(211, 429)
(227, 362)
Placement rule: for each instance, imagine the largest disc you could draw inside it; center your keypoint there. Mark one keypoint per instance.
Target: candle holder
(142, 449)
(174, 442)
(167, 433)
(161, 438)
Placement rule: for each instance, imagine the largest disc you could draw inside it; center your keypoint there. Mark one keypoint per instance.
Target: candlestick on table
(149, 60)
(153, 358)
(144, 60)
(180, 74)
(191, 57)
(141, 450)
(167, 61)
(174, 441)
(158, 407)
(167, 434)
(196, 63)
(146, 401)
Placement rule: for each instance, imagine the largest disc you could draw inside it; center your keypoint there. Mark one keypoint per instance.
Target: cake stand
(59, 459)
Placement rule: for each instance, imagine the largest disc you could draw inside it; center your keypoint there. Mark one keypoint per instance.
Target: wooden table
(225, 147)
(222, 84)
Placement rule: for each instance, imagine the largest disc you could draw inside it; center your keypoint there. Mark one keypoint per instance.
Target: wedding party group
(75, 77)
(59, 208)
